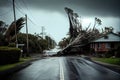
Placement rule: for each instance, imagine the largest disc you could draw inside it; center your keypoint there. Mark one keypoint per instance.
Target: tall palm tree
(74, 23)
(70, 13)
(97, 22)
(10, 33)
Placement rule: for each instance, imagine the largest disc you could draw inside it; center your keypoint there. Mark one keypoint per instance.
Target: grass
(115, 61)
(8, 66)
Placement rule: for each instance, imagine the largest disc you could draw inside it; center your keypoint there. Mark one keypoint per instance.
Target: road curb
(10, 71)
(112, 67)
(109, 66)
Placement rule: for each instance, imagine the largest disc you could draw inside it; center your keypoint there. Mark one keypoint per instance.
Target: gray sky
(51, 14)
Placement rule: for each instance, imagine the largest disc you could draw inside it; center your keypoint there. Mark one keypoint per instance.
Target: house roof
(110, 37)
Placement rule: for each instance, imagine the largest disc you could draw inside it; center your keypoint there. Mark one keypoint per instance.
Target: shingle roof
(111, 37)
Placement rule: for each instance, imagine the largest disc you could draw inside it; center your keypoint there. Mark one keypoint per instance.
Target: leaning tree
(73, 22)
(77, 35)
(10, 33)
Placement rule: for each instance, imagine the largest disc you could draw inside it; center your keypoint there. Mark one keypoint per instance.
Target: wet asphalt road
(65, 68)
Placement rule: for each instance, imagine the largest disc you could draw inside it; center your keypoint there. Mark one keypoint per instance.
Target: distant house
(108, 42)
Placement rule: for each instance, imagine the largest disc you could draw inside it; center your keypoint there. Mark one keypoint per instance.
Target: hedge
(9, 55)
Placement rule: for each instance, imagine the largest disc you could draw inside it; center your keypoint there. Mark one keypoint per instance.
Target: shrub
(118, 52)
(109, 54)
(11, 45)
(9, 55)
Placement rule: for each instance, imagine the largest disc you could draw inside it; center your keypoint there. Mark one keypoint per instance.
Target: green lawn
(8, 66)
(115, 61)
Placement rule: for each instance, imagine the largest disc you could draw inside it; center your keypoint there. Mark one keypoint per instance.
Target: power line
(8, 12)
(20, 10)
(24, 14)
(25, 4)
(20, 6)
(28, 11)
(5, 18)
(28, 17)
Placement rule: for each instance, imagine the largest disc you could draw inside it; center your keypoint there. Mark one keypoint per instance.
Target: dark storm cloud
(83, 7)
(100, 7)
(3, 3)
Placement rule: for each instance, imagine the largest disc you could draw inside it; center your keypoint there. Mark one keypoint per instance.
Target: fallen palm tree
(78, 36)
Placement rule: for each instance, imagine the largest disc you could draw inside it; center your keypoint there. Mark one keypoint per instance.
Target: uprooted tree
(76, 31)
(78, 35)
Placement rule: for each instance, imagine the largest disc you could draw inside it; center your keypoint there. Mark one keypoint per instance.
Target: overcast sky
(51, 14)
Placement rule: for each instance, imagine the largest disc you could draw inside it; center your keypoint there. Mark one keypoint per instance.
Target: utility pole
(48, 41)
(27, 35)
(43, 31)
(16, 42)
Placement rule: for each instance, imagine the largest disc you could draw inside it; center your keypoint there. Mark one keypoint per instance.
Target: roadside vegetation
(115, 61)
(9, 66)
(10, 56)
(36, 42)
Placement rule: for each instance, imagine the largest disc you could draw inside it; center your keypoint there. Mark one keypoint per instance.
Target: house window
(98, 45)
(92, 45)
(112, 45)
(107, 45)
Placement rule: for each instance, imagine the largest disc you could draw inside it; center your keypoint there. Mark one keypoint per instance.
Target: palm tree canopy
(11, 30)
